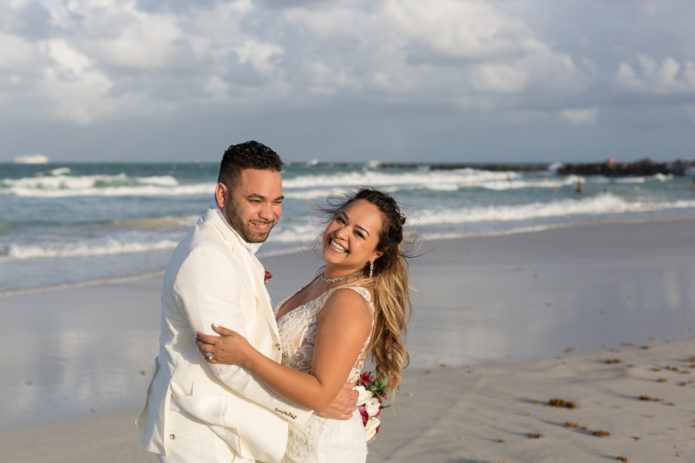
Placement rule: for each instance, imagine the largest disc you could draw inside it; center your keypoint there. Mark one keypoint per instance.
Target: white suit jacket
(214, 277)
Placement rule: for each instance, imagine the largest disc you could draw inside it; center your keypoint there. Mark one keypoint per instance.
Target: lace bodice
(320, 440)
(298, 331)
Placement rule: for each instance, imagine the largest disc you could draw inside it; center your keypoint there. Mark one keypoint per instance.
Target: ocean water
(67, 223)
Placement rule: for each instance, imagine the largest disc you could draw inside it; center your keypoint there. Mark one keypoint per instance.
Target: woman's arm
(344, 324)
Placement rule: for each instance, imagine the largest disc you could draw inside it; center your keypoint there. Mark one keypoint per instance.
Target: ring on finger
(210, 356)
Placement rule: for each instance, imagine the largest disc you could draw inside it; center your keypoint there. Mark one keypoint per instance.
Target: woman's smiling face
(351, 238)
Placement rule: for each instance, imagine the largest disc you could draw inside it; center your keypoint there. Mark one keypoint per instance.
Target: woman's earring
(371, 268)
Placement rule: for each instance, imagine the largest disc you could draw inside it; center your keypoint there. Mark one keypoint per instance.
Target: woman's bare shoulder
(348, 302)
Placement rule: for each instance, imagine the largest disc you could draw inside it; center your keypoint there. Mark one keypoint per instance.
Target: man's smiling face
(254, 206)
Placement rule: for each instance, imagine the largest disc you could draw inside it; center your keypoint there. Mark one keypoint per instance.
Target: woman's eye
(359, 234)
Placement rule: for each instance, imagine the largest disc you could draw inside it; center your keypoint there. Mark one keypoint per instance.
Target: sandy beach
(502, 325)
(642, 403)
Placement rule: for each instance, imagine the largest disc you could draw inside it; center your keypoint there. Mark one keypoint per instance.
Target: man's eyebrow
(262, 198)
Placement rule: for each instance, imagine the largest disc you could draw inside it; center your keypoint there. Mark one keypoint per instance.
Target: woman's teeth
(336, 246)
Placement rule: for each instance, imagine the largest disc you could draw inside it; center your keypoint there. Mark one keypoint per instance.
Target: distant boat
(31, 159)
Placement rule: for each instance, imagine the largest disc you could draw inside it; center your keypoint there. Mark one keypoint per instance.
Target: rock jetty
(640, 168)
(608, 168)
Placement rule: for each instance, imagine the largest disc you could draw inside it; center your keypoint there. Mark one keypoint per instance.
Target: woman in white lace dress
(359, 305)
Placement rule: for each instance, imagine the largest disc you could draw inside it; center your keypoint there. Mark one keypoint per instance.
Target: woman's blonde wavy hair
(390, 284)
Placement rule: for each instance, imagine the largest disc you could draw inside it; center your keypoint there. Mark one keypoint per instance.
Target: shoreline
(299, 250)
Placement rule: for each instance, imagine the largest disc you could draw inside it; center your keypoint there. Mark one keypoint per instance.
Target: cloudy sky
(398, 80)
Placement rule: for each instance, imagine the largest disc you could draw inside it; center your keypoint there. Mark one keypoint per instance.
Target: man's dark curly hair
(248, 155)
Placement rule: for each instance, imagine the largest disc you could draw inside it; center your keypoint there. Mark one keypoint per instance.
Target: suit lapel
(256, 272)
(261, 292)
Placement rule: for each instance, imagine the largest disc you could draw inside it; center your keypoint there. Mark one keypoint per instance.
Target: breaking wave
(598, 205)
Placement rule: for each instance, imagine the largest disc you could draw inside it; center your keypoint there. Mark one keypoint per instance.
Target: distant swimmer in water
(580, 187)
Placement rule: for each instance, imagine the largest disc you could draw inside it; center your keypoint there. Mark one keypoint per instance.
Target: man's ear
(221, 192)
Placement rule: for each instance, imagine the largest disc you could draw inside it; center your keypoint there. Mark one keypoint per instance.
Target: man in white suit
(197, 411)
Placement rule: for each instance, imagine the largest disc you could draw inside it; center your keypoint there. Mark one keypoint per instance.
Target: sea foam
(86, 249)
(599, 205)
(60, 186)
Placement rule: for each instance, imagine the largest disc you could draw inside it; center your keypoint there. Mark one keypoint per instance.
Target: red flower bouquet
(372, 393)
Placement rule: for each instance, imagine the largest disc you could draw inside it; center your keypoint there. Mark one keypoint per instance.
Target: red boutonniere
(267, 276)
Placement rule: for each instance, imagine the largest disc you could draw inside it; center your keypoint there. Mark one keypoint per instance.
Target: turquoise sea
(67, 223)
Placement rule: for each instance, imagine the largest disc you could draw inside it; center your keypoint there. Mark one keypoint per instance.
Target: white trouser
(192, 441)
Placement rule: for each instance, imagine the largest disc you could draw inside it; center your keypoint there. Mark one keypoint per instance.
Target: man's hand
(343, 405)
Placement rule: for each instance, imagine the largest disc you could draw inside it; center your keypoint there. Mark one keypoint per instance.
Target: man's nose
(268, 212)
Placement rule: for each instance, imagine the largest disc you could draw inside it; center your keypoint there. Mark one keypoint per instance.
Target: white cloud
(146, 42)
(338, 21)
(16, 54)
(246, 61)
(457, 52)
(469, 29)
(101, 59)
(580, 116)
(324, 79)
(78, 91)
(651, 77)
(465, 53)
(503, 78)
(69, 61)
(260, 54)
(62, 14)
(216, 87)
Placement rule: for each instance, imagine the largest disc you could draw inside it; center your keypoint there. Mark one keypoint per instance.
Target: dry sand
(498, 413)
(481, 300)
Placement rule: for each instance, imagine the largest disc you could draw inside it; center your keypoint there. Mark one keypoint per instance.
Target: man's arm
(208, 287)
